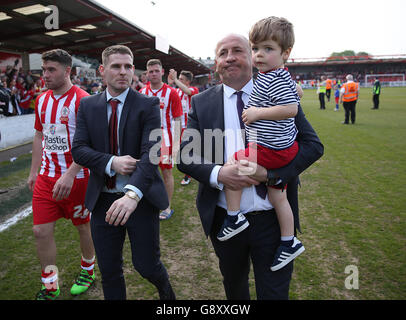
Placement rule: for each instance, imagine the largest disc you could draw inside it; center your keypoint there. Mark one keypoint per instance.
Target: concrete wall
(16, 130)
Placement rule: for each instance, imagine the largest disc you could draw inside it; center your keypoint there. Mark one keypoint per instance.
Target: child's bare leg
(283, 210)
(290, 247)
(233, 198)
(235, 222)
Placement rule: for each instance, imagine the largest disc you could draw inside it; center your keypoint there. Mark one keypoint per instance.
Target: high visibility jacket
(377, 87)
(322, 87)
(351, 91)
(328, 83)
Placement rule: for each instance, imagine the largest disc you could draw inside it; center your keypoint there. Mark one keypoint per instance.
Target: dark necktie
(261, 188)
(113, 125)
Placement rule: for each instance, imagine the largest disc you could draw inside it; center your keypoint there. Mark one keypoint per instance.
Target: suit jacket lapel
(217, 108)
(104, 123)
(123, 118)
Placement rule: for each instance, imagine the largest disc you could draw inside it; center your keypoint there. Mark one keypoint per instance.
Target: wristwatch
(133, 195)
(272, 179)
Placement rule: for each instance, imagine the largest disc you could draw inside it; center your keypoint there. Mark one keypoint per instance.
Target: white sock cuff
(87, 260)
(51, 279)
(286, 238)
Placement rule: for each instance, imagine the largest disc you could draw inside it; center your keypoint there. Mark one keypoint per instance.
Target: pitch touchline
(14, 219)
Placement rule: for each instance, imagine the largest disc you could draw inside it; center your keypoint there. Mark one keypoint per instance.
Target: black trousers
(349, 108)
(257, 244)
(143, 232)
(322, 102)
(375, 99)
(328, 93)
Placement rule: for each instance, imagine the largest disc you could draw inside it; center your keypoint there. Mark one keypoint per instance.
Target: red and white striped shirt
(171, 108)
(56, 119)
(185, 100)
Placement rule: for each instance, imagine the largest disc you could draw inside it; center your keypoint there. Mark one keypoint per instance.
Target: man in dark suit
(125, 191)
(215, 109)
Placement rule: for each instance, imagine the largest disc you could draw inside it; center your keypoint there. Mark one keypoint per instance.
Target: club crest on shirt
(52, 129)
(64, 115)
(162, 102)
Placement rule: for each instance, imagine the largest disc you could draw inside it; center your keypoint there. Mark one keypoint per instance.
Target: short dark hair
(273, 28)
(152, 62)
(115, 49)
(187, 74)
(58, 55)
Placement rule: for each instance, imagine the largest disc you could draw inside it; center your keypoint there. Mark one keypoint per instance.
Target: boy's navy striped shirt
(271, 89)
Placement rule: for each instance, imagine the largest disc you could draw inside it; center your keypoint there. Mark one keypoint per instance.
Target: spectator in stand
(137, 85)
(4, 98)
(14, 107)
(3, 81)
(144, 78)
(95, 88)
(27, 97)
(20, 85)
(11, 72)
(39, 87)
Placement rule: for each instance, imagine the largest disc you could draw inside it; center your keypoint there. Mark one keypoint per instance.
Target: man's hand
(120, 210)
(251, 115)
(253, 170)
(63, 186)
(124, 165)
(230, 176)
(31, 181)
(173, 75)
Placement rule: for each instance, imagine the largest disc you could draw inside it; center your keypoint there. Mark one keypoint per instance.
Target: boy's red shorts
(268, 158)
(46, 209)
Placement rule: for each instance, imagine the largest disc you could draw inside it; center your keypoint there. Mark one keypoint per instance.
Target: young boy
(270, 130)
(337, 96)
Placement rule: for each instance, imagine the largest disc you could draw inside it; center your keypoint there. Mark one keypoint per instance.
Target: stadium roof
(85, 28)
(346, 60)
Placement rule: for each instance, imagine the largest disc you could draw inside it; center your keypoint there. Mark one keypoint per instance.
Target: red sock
(50, 280)
(88, 266)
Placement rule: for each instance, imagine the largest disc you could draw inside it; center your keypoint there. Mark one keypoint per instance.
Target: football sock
(50, 280)
(88, 265)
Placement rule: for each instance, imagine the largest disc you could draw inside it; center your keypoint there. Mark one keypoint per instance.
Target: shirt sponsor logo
(56, 138)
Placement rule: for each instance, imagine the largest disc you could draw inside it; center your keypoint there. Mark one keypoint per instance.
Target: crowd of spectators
(19, 89)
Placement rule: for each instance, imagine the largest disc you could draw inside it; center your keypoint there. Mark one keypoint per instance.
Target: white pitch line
(14, 219)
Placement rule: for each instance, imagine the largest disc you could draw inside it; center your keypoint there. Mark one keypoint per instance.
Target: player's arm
(279, 112)
(36, 159)
(64, 184)
(174, 78)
